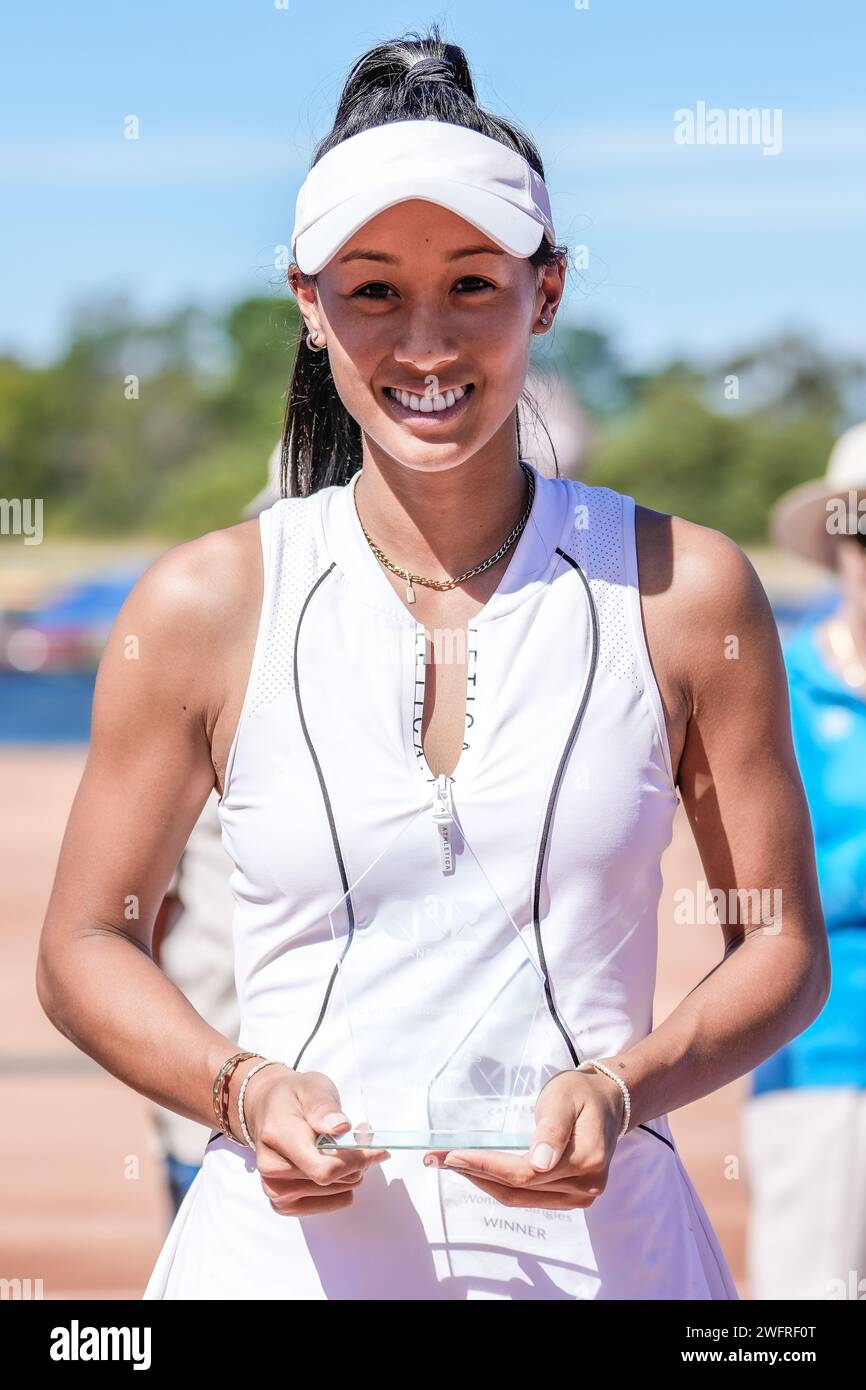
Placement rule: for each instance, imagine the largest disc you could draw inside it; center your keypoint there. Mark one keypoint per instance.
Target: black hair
(414, 77)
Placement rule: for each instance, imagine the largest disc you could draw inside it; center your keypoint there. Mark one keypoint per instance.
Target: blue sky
(693, 249)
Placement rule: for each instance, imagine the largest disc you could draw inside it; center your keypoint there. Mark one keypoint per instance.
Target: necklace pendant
(410, 592)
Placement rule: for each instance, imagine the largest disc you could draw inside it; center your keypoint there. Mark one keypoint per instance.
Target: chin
(421, 456)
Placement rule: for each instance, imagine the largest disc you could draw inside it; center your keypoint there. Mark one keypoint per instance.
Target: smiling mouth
(407, 404)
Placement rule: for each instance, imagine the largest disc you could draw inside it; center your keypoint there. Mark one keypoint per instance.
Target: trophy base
(431, 1139)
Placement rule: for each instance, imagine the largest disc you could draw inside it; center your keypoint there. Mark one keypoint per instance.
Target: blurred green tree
(121, 433)
(718, 451)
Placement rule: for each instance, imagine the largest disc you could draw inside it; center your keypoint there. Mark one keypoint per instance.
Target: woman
(805, 1121)
(290, 664)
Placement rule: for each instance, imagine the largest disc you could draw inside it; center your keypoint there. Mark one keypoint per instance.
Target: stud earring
(315, 347)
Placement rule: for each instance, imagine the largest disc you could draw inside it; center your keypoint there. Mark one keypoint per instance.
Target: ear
(303, 287)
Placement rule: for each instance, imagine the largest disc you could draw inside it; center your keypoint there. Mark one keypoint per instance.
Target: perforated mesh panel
(294, 568)
(597, 540)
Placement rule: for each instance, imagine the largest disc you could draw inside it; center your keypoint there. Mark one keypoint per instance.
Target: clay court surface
(82, 1205)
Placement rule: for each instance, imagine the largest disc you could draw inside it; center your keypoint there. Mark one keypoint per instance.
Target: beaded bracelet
(600, 1066)
(266, 1062)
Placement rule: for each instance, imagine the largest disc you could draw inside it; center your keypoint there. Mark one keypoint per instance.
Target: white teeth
(428, 403)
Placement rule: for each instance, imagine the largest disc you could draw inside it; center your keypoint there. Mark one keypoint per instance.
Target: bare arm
(161, 694)
(167, 916)
(742, 791)
(159, 690)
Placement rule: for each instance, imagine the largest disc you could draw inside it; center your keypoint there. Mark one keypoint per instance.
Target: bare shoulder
(185, 619)
(206, 576)
(701, 565)
(707, 618)
(196, 588)
(705, 578)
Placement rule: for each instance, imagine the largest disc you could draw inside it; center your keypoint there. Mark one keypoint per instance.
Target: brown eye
(374, 285)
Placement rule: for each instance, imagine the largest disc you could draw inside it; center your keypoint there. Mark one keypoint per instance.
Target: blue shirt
(828, 721)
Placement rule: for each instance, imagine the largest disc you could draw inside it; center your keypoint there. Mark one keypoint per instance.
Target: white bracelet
(600, 1066)
(269, 1061)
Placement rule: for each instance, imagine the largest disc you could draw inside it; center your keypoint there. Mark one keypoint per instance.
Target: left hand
(578, 1117)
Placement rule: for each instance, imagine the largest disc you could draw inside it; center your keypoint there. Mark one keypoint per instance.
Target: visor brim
(510, 227)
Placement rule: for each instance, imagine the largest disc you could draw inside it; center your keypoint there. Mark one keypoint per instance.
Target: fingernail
(542, 1156)
(429, 1161)
(452, 1162)
(332, 1121)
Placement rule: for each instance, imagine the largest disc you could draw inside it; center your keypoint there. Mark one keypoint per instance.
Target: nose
(424, 341)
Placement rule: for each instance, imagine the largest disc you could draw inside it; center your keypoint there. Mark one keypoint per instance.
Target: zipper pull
(443, 817)
(443, 811)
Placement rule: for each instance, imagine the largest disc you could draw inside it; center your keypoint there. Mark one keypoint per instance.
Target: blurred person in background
(192, 942)
(805, 1120)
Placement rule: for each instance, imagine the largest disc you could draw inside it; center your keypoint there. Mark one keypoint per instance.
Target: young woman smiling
(279, 659)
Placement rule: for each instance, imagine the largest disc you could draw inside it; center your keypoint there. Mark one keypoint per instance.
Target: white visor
(480, 179)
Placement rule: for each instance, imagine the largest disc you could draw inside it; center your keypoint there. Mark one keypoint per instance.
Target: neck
(443, 522)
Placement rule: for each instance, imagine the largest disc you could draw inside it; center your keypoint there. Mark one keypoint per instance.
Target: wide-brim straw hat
(802, 521)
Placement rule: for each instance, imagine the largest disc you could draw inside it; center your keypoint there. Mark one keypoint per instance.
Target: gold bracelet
(221, 1091)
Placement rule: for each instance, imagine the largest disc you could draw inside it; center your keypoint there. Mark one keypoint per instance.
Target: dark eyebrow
(395, 260)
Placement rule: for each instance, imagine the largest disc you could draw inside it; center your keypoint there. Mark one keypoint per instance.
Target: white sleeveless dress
(565, 791)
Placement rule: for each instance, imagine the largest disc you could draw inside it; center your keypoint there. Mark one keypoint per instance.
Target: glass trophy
(437, 1032)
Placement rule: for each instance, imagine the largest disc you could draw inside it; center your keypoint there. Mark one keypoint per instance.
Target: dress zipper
(443, 816)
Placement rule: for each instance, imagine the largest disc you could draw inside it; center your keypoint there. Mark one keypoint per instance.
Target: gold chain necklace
(844, 649)
(441, 584)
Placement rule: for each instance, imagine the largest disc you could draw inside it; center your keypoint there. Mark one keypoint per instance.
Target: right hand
(285, 1111)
